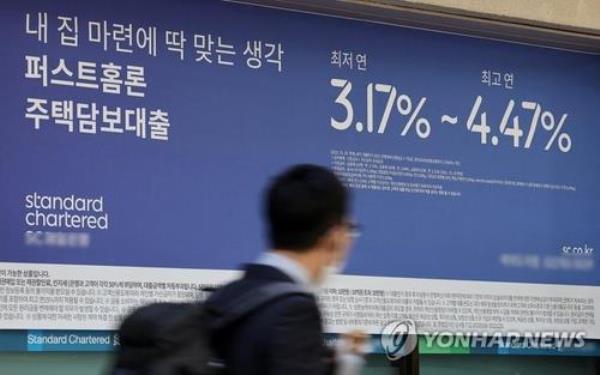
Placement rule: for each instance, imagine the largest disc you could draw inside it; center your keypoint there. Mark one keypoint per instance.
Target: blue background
(194, 201)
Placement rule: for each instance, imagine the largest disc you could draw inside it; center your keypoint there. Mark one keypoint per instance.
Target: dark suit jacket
(283, 337)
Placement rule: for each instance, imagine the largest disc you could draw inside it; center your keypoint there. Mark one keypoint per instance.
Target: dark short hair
(302, 204)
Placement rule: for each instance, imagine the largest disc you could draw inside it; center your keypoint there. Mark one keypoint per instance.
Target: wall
(576, 15)
(582, 16)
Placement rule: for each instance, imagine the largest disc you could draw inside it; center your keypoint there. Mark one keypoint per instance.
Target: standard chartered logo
(65, 212)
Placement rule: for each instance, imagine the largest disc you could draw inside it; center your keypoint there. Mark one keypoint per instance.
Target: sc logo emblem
(399, 338)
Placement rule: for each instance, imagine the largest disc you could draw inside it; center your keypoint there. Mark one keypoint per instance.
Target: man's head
(307, 213)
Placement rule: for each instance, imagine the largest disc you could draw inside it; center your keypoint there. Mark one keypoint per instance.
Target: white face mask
(333, 269)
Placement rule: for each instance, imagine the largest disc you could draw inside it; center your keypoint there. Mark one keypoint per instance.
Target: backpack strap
(255, 299)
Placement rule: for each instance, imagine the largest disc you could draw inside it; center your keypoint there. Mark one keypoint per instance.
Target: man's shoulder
(274, 334)
(257, 277)
(288, 315)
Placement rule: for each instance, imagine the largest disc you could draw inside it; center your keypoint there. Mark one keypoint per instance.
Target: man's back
(282, 337)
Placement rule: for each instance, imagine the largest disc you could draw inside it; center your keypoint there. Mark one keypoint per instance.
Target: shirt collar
(286, 265)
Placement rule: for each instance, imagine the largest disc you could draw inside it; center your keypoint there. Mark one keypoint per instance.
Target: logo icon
(399, 338)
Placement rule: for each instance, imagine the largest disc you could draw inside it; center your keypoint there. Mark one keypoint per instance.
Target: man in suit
(307, 215)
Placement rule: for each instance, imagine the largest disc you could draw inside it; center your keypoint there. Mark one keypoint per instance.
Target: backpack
(174, 338)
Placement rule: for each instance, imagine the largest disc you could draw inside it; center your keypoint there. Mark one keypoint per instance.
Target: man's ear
(336, 234)
(328, 240)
